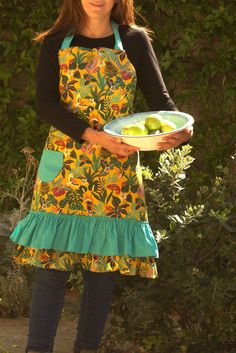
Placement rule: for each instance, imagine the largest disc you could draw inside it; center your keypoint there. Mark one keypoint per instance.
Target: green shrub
(15, 283)
(191, 307)
(19, 56)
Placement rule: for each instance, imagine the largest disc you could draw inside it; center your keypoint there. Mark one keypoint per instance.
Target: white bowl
(148, 142)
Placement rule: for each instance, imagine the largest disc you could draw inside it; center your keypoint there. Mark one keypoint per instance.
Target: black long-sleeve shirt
(140, 53)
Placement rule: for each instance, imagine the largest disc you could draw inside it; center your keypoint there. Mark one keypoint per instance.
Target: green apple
(153, 121)
(167, 126)
(134, 129)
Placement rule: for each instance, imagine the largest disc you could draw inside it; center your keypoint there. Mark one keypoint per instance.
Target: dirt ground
(13, 332)
(13, 335)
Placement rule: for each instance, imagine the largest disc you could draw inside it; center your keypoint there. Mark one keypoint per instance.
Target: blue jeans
(47, 303)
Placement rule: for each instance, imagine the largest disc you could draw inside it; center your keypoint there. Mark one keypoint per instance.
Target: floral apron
(88, 205)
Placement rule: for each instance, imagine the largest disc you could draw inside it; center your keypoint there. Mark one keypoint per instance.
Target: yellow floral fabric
(66, 261)
(98, 85)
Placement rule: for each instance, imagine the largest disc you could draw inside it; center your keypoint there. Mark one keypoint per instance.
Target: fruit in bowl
(159, 124)
(167, 126)
(153, 124)
(138, 129)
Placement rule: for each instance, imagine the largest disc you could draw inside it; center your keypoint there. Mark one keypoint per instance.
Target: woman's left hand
(174, 140)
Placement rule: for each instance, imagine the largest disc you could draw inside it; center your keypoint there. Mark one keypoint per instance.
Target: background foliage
(191, 307)
(196, 46)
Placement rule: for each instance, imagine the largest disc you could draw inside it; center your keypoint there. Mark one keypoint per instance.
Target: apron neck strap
(67, 42)
(118, 43)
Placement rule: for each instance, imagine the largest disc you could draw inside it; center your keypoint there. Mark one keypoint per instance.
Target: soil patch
(13, 332)
(13, 335)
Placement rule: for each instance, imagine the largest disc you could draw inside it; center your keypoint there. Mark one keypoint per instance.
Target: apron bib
(88, 205)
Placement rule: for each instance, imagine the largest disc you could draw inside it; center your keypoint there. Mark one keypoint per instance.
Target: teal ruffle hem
(84, 234)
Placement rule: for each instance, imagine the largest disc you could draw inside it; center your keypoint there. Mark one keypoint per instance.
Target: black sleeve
(48, 105)
(150, 78)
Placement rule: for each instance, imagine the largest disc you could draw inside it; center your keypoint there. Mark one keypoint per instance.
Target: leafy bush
(15, 283)
(196, 51)
(18, 63)
(191, 307)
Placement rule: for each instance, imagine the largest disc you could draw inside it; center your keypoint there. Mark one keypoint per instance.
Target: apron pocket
(50, 165)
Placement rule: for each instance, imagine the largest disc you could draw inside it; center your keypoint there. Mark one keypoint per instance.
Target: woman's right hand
(109, 142)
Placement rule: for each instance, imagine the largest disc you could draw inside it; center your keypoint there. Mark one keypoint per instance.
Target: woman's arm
(48, 105)
(149, 76)
(155, 92)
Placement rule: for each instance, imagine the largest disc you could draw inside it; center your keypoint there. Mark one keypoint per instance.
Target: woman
(88, 205)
